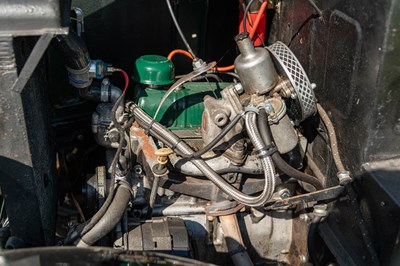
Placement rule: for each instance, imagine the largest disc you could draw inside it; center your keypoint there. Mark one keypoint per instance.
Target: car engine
(125, 137)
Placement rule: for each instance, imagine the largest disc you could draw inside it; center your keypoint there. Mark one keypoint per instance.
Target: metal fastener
(344, 177)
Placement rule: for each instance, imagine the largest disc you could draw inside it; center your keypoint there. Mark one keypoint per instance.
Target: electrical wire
(316, 8)
(161, 133)
(251, 35)
(181, 81)
(232, 74)
(280, 163)
(179, 51)
(246, 11)
(2, 208)
(103, 209)
(258, 19)
(208, 75)
(217, 139)
(252, 32)
(121, 129)
(126, 77)
(78, 207)
(178, 28)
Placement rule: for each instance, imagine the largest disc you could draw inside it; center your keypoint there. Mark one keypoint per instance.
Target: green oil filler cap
(154, 70)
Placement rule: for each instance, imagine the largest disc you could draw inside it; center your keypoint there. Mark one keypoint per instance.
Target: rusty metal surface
(309, 198)
(298, 249)
(146, 143)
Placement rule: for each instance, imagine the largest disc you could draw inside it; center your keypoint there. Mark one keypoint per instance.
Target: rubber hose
(279, 162)
(217, 139)
(173, 141)
(75, 52)
(178, 28)
(107, 203)
(332, 138)
(266, 161)
(110, 219)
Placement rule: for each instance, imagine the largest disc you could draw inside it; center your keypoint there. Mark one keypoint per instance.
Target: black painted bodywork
(352, 53)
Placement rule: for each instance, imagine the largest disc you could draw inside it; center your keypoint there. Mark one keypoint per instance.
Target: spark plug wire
(252, 31)
(258, 18)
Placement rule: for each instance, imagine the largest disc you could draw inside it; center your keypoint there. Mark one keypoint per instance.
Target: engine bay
(234, 133)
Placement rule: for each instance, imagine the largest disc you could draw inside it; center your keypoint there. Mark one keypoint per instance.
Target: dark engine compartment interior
(57, 145)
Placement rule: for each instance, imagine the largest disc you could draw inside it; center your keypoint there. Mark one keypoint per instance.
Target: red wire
(126, 77)
(252, 33)
(258, 18)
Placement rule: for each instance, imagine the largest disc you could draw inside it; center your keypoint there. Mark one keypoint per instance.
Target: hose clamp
(251, 108)
(148, 128)
(125, 184)
(267, 106)
(266, 151)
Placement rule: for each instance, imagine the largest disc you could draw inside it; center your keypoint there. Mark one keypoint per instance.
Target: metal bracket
(306, 199)
(32, 61)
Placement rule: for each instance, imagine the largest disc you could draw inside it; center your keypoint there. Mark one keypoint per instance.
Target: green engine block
(183, 109)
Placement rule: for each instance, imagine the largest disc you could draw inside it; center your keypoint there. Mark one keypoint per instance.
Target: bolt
(304, 217)
(313, 86)
(284, 193)
(269, 108)
(113, 135)
(198, 63)
(303, 259)
(105, 82)
(80, 137)
(238, 146)
(239, 88)
(138, 169)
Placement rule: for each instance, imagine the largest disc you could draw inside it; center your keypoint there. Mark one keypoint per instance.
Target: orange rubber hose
(179, 51)
(252, 33)
(225, 69)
